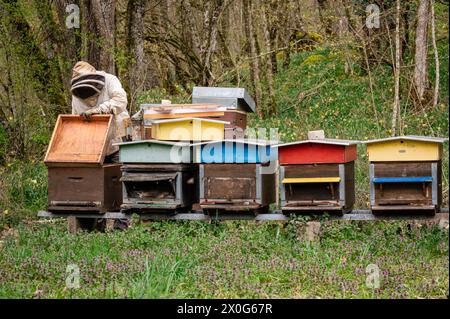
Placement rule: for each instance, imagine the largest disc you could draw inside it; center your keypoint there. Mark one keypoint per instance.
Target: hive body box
(237, 180)
(78, 178)
(188, 129)
(405, 173)
(84, 189)
(317, 175)
(159, 187)
(158, 176)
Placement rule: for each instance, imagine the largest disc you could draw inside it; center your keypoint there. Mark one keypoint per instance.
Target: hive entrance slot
(312, 193)
(404, 193)
(151, 190)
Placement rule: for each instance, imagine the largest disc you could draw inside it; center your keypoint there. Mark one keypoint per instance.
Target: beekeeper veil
(86, 82)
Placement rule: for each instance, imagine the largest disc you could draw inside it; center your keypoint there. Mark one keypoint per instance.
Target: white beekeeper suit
(98, 92)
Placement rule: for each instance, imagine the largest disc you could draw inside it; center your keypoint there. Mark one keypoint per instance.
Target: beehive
(78, 178)
(405, 173)
(317, 175)
(236, 175)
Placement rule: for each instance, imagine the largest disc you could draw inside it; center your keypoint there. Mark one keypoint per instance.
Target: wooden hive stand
(405, 174)
(317, 175)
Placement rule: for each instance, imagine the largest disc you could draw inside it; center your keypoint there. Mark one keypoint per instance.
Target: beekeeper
(98, 92)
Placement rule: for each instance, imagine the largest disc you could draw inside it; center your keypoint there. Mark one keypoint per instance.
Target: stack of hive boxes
(159, 171)
(208, 103)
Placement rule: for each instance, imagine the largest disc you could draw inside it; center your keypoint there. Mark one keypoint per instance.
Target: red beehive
(317, 174)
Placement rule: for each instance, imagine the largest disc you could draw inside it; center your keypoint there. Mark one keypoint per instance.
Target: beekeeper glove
(87, 115)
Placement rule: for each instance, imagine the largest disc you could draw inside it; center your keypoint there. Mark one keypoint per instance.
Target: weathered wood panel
(84, 188)
(236, 184)
(402, 169)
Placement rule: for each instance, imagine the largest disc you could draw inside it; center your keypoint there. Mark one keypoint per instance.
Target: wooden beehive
(317, 175)
(78, 178)
(405, 173)
(236, 175)
(188, 129)
(236, 187)
(159, 187)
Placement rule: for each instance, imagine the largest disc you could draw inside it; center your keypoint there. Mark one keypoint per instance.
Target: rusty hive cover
(76, 141)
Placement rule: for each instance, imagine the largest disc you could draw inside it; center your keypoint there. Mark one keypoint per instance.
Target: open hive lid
(77, 142)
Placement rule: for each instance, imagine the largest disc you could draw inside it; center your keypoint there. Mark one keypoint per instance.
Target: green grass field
(226, 260)
(242, 259)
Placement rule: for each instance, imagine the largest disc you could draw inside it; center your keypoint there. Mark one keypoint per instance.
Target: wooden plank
(410, 179)
(394, 169)
(312, 180)
(312, 170)
(275, 215)
(185, 106)
(182, 115)
(404, 151)
(75, 140)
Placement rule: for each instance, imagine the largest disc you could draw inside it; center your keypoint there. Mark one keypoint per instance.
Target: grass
(226, 260)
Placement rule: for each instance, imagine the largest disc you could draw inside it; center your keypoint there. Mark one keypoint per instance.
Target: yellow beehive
(188, 129)
(405, 149)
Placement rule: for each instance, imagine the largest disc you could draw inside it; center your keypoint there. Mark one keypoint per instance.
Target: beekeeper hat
(82, 67)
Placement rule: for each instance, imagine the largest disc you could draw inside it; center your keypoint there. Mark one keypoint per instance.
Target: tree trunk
(272, 107)
(420, 57)
(396, 106)
(436, 56)
(135, 47)
(254, 60)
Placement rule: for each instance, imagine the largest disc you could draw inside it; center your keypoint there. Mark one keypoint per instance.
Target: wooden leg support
(76, 224)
